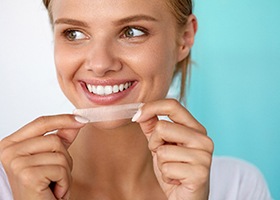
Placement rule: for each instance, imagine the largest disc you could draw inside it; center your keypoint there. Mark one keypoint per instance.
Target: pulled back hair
(181, 9)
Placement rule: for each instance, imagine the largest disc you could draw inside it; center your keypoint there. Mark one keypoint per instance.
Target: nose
(102, 58)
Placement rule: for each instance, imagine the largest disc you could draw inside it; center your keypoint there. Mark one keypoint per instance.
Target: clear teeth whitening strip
(108, 113)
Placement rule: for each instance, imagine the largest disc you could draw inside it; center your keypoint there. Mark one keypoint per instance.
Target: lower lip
(106, 99)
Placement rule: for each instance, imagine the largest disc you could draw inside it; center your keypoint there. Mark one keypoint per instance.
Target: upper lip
(107, 82)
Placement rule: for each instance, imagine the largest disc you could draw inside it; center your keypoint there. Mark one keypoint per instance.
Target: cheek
(155, 65)
(66, 63)
(161, 75)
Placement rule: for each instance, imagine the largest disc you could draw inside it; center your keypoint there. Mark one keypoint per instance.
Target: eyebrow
(134, 18)
(122, 21)
(71, 22)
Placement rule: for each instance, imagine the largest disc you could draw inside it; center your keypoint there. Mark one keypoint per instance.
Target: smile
(108, 89)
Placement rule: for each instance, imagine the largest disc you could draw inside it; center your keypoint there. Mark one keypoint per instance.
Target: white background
(28, 81)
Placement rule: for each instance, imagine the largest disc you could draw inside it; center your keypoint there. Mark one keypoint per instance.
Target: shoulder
(5, 193)
(233, 178)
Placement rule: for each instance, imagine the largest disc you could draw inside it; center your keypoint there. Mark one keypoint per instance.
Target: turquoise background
(235, 82)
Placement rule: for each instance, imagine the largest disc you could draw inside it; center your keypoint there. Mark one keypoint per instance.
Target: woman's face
(114, 52)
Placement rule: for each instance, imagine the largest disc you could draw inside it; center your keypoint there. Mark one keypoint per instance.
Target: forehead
(101, 9)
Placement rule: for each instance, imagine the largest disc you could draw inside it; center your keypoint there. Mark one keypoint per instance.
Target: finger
(37, 145)
(45, 124)
(173, 153)
(67, 136)
(171, 108)
(43, 159)
(148, 126)
(168, 132)
(189, 175)
(63, 182)
(43, 176)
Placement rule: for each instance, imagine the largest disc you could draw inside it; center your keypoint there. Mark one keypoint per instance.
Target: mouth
(106, 90)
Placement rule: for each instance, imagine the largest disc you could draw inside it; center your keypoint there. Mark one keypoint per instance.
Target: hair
(181, 9)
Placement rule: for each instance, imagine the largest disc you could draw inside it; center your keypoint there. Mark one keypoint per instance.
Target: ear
(186, 37)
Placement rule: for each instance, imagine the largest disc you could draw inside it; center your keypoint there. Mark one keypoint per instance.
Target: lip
(106, 99)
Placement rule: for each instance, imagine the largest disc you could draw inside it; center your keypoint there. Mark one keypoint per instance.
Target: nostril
(100, 60)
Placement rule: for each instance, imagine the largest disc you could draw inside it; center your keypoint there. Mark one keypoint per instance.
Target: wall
(28, 82)
(235, 85)
(234, 88)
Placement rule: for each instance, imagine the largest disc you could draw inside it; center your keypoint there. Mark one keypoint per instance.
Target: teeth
(108, 89)
(126, 86)
(89, 87)
(121, 87)
(100, 90)
(94, 89)
(115, 88)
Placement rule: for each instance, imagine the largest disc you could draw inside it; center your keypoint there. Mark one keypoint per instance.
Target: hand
(37, 164)
(182, 153)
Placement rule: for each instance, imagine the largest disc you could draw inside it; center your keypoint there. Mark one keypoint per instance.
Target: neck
(111, 157)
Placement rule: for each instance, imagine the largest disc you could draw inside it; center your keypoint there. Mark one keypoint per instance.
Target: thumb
(147, 125)
(68, 136)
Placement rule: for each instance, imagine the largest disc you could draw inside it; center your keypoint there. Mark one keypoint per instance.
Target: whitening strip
(108, 113)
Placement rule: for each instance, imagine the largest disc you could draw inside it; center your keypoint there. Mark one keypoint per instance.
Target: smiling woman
(114, 53)
(141, 52)
(180, 9)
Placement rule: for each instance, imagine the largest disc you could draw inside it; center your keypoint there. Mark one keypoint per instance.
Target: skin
(106, 54)
(149, 159)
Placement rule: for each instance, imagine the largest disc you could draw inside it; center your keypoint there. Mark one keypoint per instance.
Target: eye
(73, 35)
(131, 32)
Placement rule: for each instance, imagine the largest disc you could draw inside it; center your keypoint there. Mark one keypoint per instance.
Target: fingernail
(137, 115)
(141, 105)
(81, 119)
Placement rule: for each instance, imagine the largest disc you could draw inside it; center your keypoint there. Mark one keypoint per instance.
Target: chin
(112, 125)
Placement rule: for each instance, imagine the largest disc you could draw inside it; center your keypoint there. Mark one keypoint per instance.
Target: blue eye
(73, 35)
(131, 32)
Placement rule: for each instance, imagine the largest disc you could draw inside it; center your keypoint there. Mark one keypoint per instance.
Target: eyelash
(69, 31)
(66, 33)
(141, 29)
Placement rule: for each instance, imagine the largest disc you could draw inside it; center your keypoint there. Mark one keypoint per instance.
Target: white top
(231, 179)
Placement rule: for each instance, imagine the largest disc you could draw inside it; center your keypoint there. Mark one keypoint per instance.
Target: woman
(118, 52)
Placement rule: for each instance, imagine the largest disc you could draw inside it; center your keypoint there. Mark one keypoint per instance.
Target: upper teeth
(108, 89)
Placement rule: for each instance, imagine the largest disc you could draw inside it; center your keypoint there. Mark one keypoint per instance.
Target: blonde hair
(181, 9)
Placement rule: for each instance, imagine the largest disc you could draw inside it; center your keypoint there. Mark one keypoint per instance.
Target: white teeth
(108, 89)
(126, 86)
(100, 90)
(121, 87)
(115, 88)
(89, 87)
(93, 89)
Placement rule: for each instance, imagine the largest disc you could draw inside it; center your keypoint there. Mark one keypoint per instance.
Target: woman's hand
(182, 152)
(37, 164)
